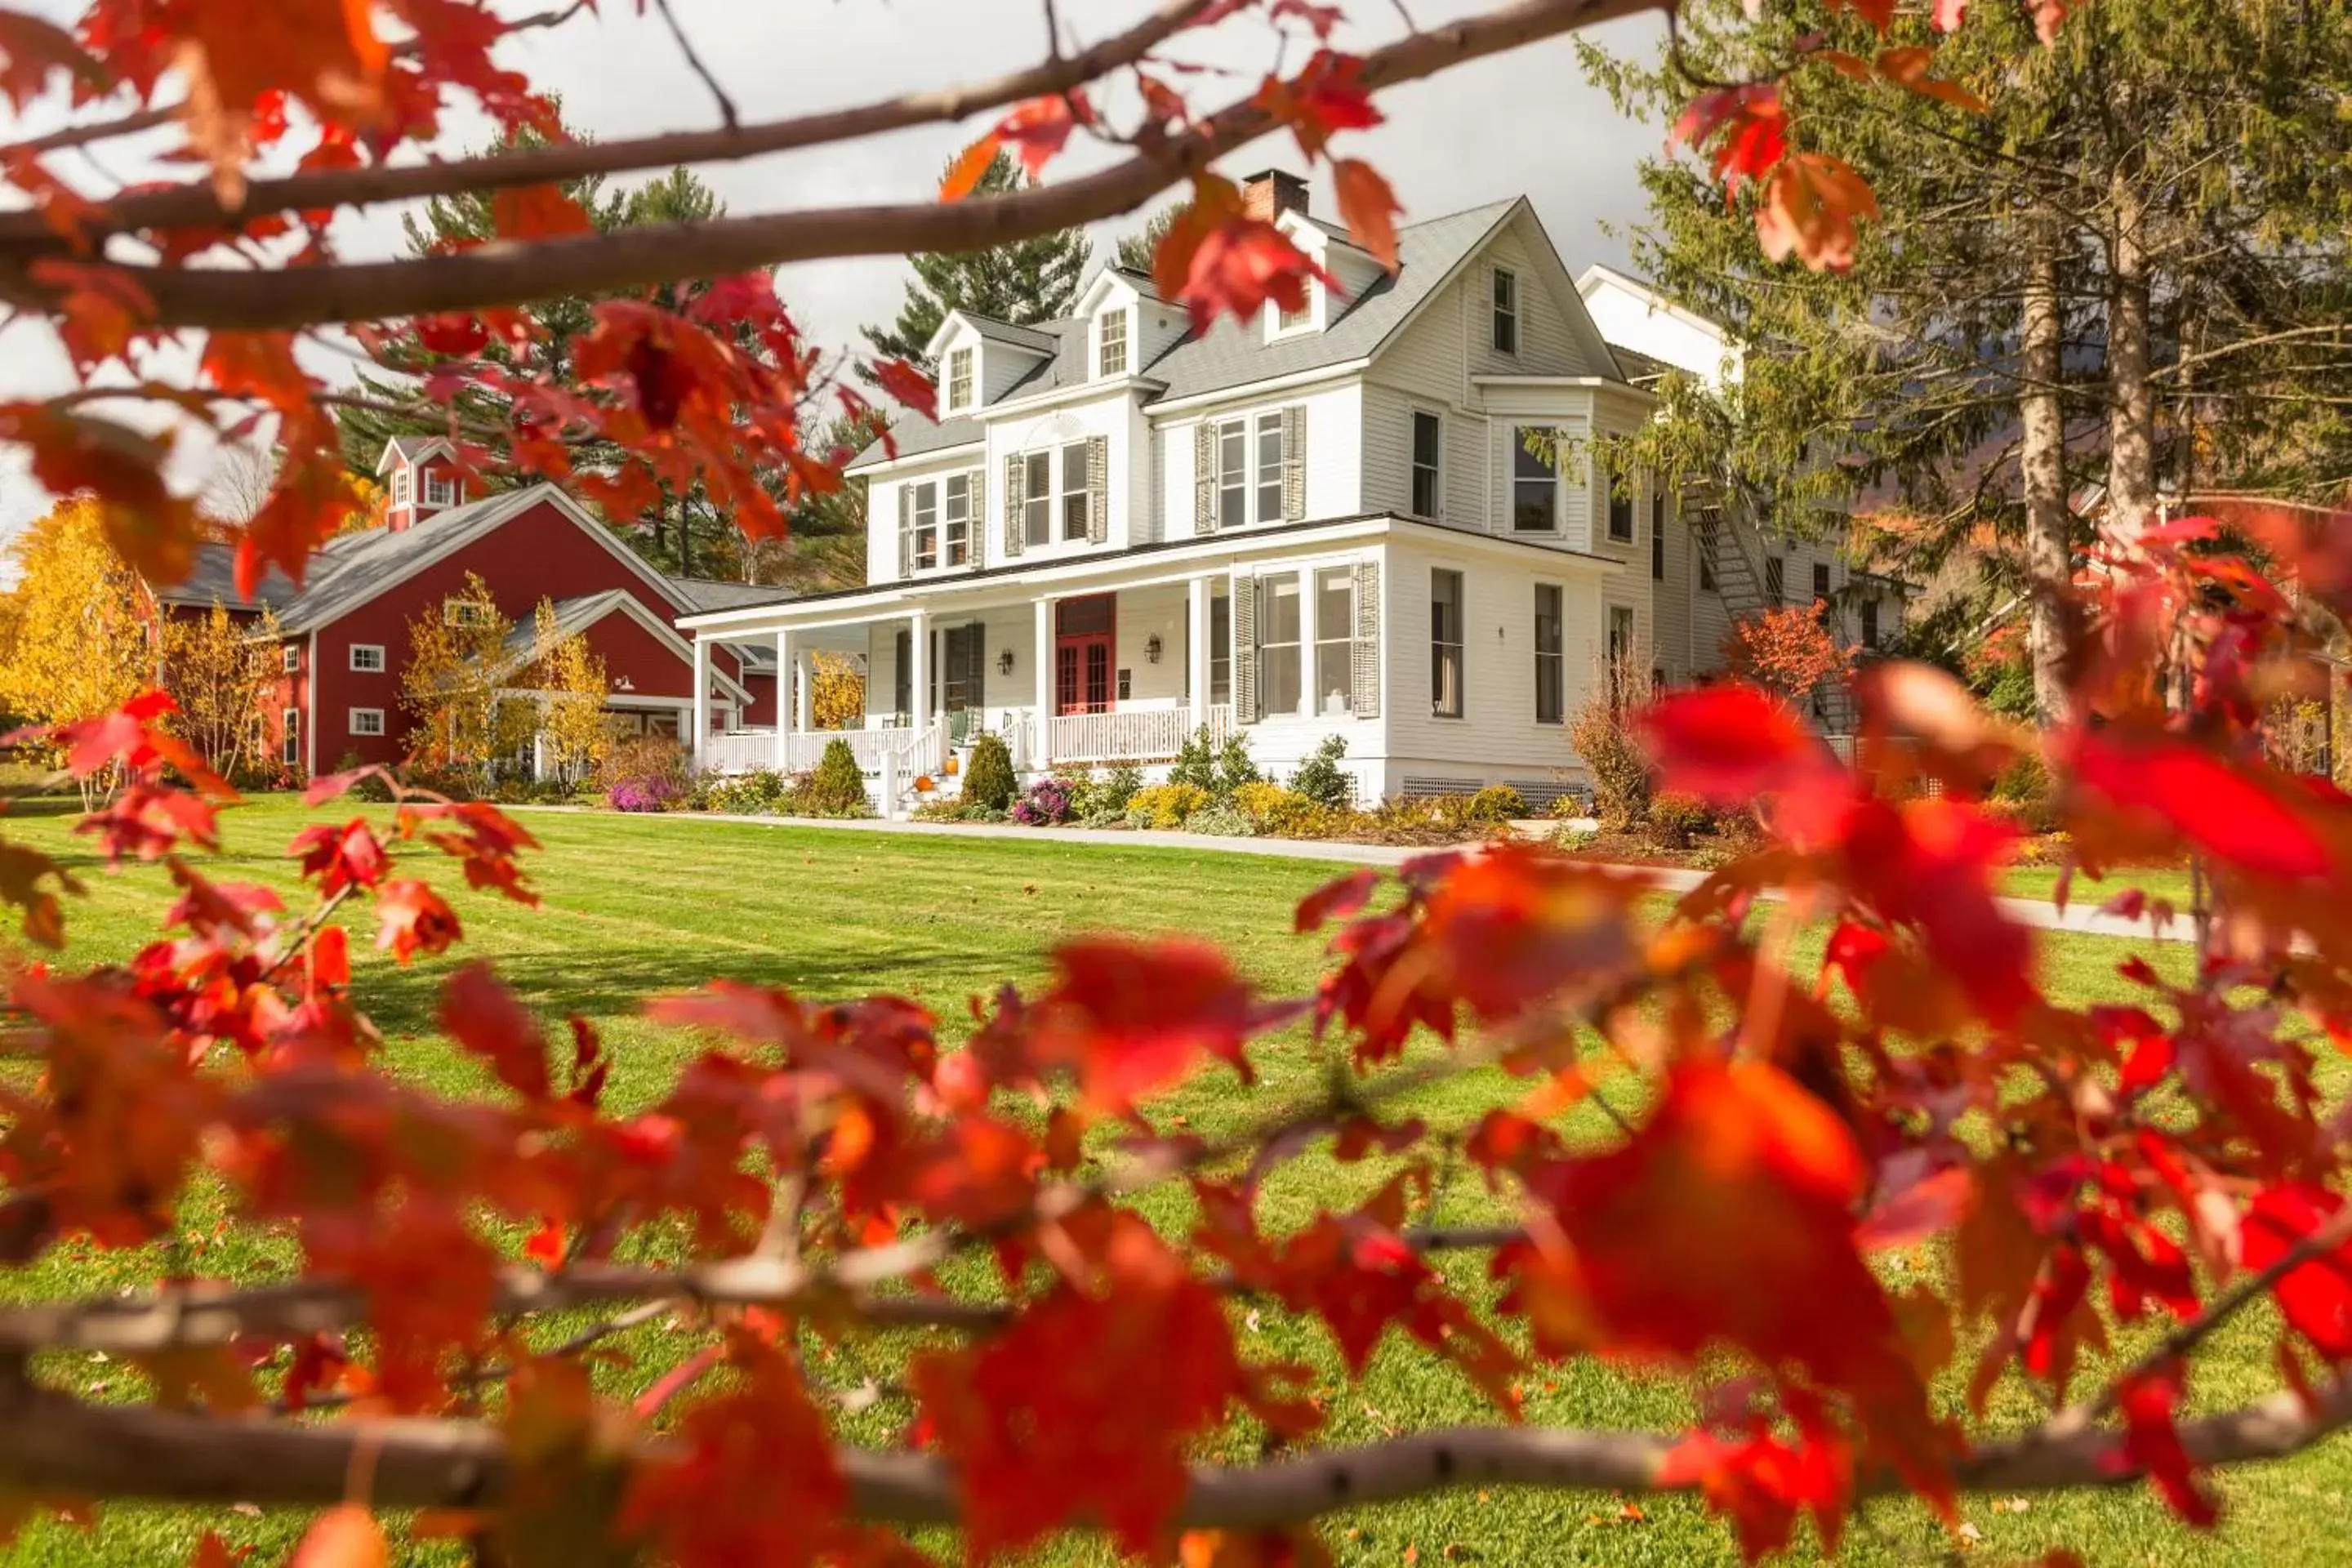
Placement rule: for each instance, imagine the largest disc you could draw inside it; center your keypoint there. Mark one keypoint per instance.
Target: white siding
(1496, 738)
(1547, 342)
(1673, 337)
(1335, 458)
(882, 511)
(1112, 416)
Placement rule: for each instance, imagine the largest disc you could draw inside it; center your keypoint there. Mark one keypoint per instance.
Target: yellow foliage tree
(837, 691)
(572, 680)
(82, 623)
(221, 672)
(465, 720)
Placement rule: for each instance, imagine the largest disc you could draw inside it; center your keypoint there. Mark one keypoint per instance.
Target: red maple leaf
(414, 918)
(484, 1017)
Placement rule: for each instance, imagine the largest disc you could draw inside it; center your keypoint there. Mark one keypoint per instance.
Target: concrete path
(2080, 917)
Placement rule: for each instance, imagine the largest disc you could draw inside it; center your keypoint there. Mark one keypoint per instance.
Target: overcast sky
(1525, 124)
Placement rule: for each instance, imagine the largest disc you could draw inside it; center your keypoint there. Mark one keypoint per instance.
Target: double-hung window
(923, 521)
(958, 379)
(1249, 457)
(1114, 343)
(1446, 627)
(1870, 622)
(440, 489)
(1535, 479)
(1335, 641)
(1506, 311)
(367, 657)
(1620, 508)
(1551, 672)
(955, 526)
(289, 746)
(289, 657)
(1658, 536)
(1037, 499)
(366, 720)
(1077, 499)
(1776, 580)
(1426, 435)
(1279, 625)
(1822, 580)
(402, 479)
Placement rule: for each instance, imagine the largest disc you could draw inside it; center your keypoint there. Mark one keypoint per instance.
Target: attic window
(1290, 320)
(1114, 343)
(440, 489)
(959, 380)
(1506, 311)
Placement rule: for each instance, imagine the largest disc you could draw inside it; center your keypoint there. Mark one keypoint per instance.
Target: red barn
(345, 630)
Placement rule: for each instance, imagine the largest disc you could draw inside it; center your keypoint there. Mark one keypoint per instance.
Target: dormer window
(958, 379)
(440, 489)
(1113, 334)
(401, 481)
(1290, 320)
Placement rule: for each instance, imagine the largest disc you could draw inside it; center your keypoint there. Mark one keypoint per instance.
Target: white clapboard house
(1345, 522)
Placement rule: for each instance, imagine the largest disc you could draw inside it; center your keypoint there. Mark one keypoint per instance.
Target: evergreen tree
(1025, 282)
(1136, 250)
(2090, 279)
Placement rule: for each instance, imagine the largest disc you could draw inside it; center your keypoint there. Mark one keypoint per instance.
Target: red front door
(1085, 632)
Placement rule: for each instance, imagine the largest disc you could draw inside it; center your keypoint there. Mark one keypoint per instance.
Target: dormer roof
(1028, 340)
(411, 450)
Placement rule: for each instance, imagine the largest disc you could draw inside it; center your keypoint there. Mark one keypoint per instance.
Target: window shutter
(1294, 462)
(905, 532)
(1097, 488)
(1365, 657)
(1204, 477)
(978, 517)
(1246, 708)
(1013, 498)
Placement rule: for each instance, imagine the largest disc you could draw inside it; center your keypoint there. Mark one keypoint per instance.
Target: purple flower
(642, 794)
(1047, 801)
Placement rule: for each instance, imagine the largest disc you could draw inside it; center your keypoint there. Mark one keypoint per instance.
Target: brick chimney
(1270, 193)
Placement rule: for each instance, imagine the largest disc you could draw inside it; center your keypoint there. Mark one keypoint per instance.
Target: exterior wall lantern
(1004, 662)
(1151, 649)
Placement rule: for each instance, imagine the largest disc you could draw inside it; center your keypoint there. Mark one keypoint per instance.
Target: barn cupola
(420, 477)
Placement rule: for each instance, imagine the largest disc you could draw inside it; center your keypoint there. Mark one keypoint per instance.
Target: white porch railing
(1131, 735)
(745, 751)
(740, 751)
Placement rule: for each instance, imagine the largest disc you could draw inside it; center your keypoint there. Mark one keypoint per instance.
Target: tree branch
(727, 115)
(634, 257)
(53, 1443)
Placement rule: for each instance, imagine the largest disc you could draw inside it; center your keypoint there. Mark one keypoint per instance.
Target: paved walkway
(2080, 917)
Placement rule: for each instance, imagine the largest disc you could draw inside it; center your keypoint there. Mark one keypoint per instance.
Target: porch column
(804, 686)
(787, 705)
(1196, 649)
(1043, 756)
(702, 700)
(919, 674)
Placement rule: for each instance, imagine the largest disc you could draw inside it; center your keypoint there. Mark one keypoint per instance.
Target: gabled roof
(1031, 338)
(575, 616)
(706, 593)
(411, 448)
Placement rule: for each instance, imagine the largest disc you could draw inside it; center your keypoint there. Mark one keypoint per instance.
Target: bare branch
(53, 1443)
(686, 47)
(634, 258)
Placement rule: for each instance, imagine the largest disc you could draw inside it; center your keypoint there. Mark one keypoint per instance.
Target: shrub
(955, 809)
(1286, 813)
(1196, 763)
(1676, 819)
(1046, 804)
(639, 794)
(837, 787)
(1234, 768)
(1321, 779)
(1079, 788)
(1498, 803)
(1166, 806)
(1104, 818)
(646, 756)
(763, 792)
(988, 780)
(1116, 788)
(1221, 819)
(1620, 772)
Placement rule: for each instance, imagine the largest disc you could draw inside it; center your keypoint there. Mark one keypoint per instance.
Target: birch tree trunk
(2131, 416)
(2049, 547)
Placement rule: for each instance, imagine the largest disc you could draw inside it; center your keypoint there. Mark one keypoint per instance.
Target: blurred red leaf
(1809, 205)
(483, 1016)
(2224, 809)
(1369, 206)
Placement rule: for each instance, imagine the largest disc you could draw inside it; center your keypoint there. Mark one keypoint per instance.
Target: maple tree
(2113, 1182)
(81, 623)
(1788, 649)
(222, 673)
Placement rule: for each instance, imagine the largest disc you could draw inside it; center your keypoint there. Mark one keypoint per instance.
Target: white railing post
(787, 699)
(1044, 663)
(1196, 650)
(701, 701)
(890, 785)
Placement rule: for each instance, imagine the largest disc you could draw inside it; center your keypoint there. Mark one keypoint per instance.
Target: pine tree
(1137, 250)
(2088, 281)
(1025, 282)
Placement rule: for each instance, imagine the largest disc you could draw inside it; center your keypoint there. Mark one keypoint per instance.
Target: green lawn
(640, 906)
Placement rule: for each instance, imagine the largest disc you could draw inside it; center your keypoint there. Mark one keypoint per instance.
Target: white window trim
(1317, 314)
(1559, 529)
(450, 613)
(440, 489)
(1414, 416)
(956, 403)
(289, 737)
(1125, 343)
(973, 534)
(1055, 470)
(403, 482)
(1254, 477)
(1534, 652)
(352, 717)
(290, 658)
(1635, 493)
(1519, 315)
(378, 667)
(1461, 645)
